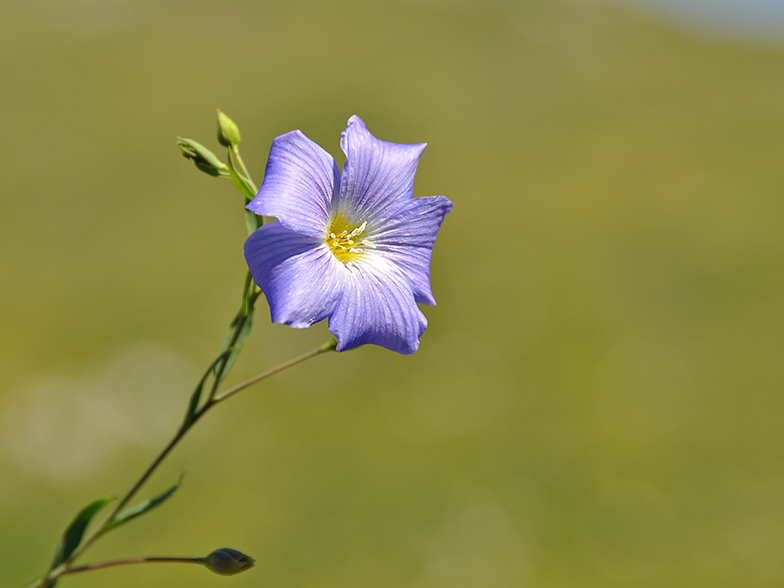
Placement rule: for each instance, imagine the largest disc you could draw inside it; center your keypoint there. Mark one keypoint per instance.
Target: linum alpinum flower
(352, 247)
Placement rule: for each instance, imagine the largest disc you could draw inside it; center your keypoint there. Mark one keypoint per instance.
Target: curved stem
(132, 560)
(146, 476)
(328, 346)
(236, 151)
(64, 568)
(249, 297)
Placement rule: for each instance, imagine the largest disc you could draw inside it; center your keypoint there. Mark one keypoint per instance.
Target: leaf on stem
(240, 182)
(75, 531)
(238, 339)
(193, 408)
(140, 509)
(252, 222)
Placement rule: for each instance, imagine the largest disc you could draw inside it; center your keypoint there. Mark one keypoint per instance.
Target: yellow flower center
(345, 241)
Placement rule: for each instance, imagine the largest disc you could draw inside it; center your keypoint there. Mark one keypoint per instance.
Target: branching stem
(236, 151)
(217, 371)
(65, 568)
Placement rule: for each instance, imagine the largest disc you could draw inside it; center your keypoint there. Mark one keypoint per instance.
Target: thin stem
(236, 151)
(193, 405)
(193, 416)
(328, 346)
(128, 496)
(64, 568)
(132, 560)
(152, 467)
(249, 297)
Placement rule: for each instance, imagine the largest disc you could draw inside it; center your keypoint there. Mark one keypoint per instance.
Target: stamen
(342, 239)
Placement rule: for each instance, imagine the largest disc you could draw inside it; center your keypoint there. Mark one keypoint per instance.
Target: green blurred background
(597, 401)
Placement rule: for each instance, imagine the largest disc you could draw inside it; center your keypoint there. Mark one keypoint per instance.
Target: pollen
(346, 241)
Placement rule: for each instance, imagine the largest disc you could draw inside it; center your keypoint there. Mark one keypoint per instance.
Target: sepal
(228, 131)
(202, 157)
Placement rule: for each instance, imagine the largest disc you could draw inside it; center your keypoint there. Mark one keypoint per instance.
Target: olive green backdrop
(597, 401)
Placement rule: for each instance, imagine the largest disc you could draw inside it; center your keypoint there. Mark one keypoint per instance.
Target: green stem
(132, 560)
(65, 568)
(249, 297)
(236, 150)
(328, 346)
(217, 369)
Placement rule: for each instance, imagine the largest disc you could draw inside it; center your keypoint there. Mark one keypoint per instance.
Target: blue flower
(354, 248)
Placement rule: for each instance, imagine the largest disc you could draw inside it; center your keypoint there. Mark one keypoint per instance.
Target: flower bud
(228, 562)
(228, 131)
(204, 159)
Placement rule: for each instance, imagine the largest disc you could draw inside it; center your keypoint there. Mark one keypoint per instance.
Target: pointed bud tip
(227, 561)
(228, 132)
(204, 159)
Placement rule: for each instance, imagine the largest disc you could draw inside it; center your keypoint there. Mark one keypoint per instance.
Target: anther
(347, 242)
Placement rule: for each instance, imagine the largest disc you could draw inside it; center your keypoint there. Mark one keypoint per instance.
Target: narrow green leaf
(75, 531)
(241, 337)
(240, 182)
(140, 509)
(194, 405)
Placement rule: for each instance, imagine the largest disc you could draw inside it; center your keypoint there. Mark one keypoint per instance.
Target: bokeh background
(598, 398)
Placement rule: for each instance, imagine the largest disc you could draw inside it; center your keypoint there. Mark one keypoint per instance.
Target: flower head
(352, 247)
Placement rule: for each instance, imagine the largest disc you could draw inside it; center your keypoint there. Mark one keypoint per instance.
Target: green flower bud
(228, 562)
(204, 159)
(228, 132)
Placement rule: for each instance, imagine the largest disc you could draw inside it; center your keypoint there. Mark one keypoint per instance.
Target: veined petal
(299, 183)
(378, 307)
(355, 249)
(406, 240)
(298, 274)
(377, 174)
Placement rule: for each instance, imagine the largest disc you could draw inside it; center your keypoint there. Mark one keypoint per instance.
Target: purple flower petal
(298, 274)
(377, 174)
(299, 184)
(369, 273)
(377, 307)
(407, 238)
